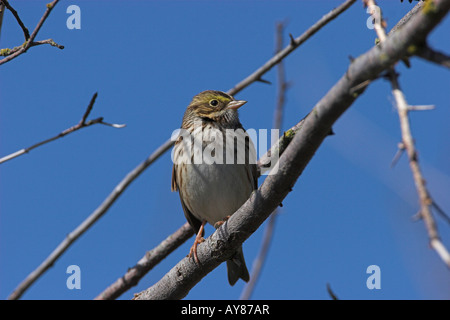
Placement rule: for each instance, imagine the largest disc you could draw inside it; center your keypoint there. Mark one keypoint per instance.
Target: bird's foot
(219, 223)
(198, 239)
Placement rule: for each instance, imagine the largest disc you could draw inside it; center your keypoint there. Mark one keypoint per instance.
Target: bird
(212, 189)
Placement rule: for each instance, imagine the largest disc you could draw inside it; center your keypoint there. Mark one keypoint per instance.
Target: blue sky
(146, 59)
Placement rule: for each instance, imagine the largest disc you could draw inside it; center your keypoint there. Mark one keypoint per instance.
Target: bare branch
(434, 56)
(408, 143)
(8, 52)
(221, 244)
(26, 33)
(80, 125)
(256, 76)
(17, 51)
(398, 154)
(2, 11)
(441, 212)
(331, 293)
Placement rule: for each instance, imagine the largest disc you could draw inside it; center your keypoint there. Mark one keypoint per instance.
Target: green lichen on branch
(429, 8)
(412, 50)
(5, 52)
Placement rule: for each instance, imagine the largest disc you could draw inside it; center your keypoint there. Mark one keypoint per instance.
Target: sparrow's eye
(213, 102)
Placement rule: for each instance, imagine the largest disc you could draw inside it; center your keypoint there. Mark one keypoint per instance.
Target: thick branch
(222, 243)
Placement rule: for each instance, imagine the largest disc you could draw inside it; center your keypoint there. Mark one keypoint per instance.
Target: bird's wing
(193, 221)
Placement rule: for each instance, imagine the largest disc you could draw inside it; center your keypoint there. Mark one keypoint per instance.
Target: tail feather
(236, 268)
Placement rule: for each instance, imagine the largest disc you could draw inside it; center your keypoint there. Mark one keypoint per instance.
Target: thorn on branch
(293, 43)
(331, 293)
(441, 212)
(401, 149)
(418, 216)
(263, 81)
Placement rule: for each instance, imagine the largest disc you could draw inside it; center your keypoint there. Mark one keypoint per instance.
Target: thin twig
(26, 33)
(333, 296)
(270, 227)
(398, 154)
(257, 75)
(80, 125)
(2, 11)
(441, 212)
(14, 53)
(403, 109)
(8, 52)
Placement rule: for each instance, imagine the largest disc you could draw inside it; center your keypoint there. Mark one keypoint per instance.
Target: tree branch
(221, 244)
(82, 124)
(403, 109)
(2, 11)
(257, 75)
(29, 42)
(434, 56)
(26, 33)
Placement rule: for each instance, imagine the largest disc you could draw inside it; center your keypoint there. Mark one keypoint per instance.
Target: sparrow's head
(214, 106)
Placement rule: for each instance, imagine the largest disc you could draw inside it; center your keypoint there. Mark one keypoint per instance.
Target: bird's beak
(236, 104)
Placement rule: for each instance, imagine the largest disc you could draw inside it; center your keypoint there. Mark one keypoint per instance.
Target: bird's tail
(236, 268)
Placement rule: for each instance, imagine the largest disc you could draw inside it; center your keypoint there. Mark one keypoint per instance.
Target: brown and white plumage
(211, 192)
